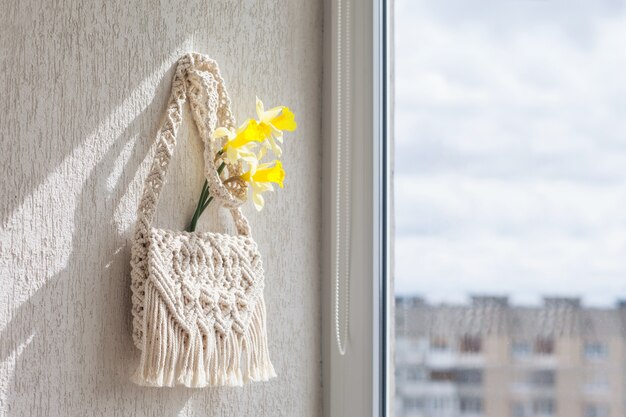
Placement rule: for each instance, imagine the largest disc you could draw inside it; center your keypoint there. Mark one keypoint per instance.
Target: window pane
(510, 189)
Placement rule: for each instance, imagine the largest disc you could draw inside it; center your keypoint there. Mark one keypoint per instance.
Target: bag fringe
(173, 354)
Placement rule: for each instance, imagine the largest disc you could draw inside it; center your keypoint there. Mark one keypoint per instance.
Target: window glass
(441, 376)
(413, 404)
(520, 349)
(544, 346)
(544, 407)
(471, 405)
(518, 409)
(439, 343)
(596, 350)
(416, 374)
(596, 410)
(509, 193)
(596, 382)
(542, 378)
(469, 376)
(470, 344)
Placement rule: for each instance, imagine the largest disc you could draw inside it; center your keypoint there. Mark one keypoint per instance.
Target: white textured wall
(83, 87)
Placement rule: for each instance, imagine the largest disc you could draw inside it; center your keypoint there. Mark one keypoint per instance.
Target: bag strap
(198, 80)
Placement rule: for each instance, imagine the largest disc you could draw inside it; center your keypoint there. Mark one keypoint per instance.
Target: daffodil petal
(261, 187)
(275, 148)
(285, 120)
(243, 127)
(271, 114)
(220, 132)
(251, 160)
(252, 133)
(265, 175)
(277, 134)
(259, 108)
(258, 201)
(264, 130)
(266, 165)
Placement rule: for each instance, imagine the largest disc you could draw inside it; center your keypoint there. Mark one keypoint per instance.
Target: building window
(596, 382)
(596, 410)
(438, 404)
(544, 346)
(544, 407)
(415, 374)
(520, 349)
(470, 344)
(518, 409)
(413, 404)
(471, 405)
(596, 350)
(542, 378)
(442, 376)
(469, 376)
(438, 343)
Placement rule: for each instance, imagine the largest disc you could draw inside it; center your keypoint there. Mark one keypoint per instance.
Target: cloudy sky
(510, 138)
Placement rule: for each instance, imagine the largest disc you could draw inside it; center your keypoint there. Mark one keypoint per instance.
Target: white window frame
(356, 384)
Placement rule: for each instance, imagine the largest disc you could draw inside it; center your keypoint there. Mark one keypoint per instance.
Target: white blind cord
(343, 246)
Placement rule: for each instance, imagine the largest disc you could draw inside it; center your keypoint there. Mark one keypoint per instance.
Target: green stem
(206, 204)
(203, 195)
(194, 219)
(204, 200)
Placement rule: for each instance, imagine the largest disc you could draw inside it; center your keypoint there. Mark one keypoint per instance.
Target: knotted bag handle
(198, 80)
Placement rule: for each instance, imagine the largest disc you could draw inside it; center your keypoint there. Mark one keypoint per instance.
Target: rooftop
(557, 316)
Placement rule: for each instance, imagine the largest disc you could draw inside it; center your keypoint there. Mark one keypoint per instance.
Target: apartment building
(492, 359)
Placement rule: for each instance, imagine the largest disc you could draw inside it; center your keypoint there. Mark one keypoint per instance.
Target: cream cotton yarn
(199, 315)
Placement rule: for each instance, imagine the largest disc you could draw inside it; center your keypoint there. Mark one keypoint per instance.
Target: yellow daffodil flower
(272, 123)
(261, 181)
(243, 149)
(249, 132)
(240, 143)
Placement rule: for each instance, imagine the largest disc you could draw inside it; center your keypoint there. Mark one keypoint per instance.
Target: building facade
(492, 359)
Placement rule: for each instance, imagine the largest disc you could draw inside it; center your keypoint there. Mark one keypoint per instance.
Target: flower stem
(206, 204)
(196, 214)
(204, 200)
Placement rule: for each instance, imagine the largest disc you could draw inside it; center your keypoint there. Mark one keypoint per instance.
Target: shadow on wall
(85, 307)
(73, 74)
(59, 85)
(72, 336)
(82, 59)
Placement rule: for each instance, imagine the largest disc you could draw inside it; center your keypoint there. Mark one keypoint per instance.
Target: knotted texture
(198, 310)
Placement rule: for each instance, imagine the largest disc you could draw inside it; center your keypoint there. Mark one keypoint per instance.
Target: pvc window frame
(358, 383)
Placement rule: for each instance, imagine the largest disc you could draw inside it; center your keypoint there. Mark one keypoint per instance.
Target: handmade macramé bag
(198, 308)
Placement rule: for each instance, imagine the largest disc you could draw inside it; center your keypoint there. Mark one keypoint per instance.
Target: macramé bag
(198, 308)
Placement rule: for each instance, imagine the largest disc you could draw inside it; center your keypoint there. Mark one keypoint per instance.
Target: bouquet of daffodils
(247, 147)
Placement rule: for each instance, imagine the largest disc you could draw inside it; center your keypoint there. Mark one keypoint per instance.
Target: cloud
(504, 18)
(446, 269)
(510, 146)
(454, 205)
